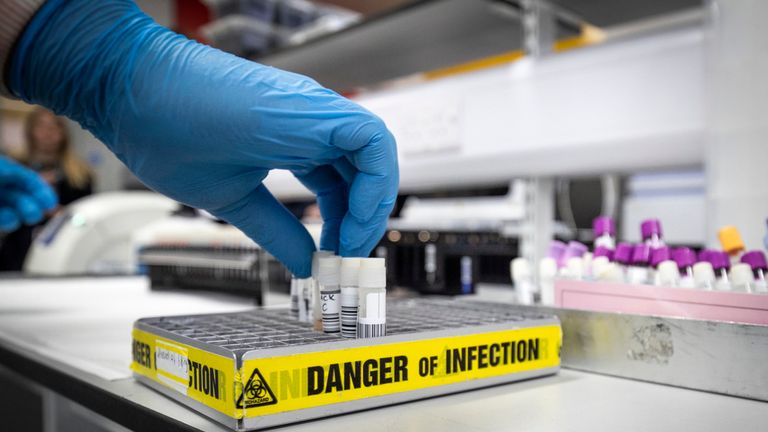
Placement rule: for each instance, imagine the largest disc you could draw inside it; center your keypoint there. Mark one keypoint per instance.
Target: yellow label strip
(307, 380)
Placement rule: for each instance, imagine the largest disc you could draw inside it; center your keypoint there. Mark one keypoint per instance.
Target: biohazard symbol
(256, 392)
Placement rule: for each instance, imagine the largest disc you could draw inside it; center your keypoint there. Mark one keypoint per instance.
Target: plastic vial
(586, 265)
(650, 230)
(294, 296)
(372, 303)
(685, 259)
(741, 277)
(523, 280)
(467, 286)
(601, 259)
(573, 250)
(547, 274)
(328, 274)
(574, 268)
(720, 263)
(623, 258)
(658, 256)
(637, 273)
(604, 231)
(667, 274)
(704, 275)
(556, 250)
(730, 240)
(303, 289)
(756, 260)
(350, 268)
(314, 314)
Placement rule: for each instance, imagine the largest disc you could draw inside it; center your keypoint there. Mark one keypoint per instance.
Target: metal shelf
(434, 34)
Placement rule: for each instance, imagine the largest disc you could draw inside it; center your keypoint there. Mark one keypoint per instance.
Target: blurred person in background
(49, 153)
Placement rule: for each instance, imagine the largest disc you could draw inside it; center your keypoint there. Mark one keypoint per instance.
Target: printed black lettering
(533, 349)
(505, 349)
(459, 360)
(401, 368)
(214, 384)
(522, 351)
(471, 356)
(448, 363)
(315, 380)
(482, 356)
(351, 375)
(142, 354)
(493, 355)
(370, 374)
(206, 378)
(334, 378)
(384, 370)
(512, 357)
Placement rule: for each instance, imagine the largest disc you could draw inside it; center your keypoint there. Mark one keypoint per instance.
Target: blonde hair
(77, 172)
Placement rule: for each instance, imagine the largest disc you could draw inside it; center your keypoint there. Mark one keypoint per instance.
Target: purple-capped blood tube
(623, 257)
(720, 264)
(756, 260)
(650, 230)
(658, 256)
(605, 232)
(556, 249)
(637, 273)
(685, 259)
(574, 250)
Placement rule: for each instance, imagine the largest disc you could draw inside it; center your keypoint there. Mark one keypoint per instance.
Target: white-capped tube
(372, 301)
(523, 281)
(547, 273)
(313, 296)
(294, 296)
(350, 274)
(704, 275)
(328, 273)
(304, 289)
(667, 274)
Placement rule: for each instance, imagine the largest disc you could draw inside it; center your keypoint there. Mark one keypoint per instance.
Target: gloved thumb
(261, 217)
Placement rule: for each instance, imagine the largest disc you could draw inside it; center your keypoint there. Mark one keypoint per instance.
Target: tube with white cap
(372, 303)
(330, 293)
(312, 296)
(303, 289)
(523, 280)
(350, 274)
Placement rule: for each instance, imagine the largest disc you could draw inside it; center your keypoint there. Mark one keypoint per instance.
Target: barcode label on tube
(349, 321)
(371, 330)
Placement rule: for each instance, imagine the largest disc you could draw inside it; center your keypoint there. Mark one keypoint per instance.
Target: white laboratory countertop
(83, 325)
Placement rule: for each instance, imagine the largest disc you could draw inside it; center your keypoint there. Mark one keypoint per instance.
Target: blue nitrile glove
(24, 196)
(204, 127)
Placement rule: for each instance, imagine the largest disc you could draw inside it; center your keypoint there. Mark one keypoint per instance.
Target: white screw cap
(316, 255)
(373, 273)
(328, 270)
(350, 272)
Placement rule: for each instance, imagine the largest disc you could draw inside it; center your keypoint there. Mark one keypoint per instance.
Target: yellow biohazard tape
(306, 380)
(200, 375)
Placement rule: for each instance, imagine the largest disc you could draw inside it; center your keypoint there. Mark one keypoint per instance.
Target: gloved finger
(345, 168)
(9, 220)
(374, 154)
(19, 177)
(359, 238)
(27, 209)
(261, 217)
(331, 190)
(374, 189)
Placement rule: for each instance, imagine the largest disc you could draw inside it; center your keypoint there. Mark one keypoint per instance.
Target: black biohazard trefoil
(256, 392)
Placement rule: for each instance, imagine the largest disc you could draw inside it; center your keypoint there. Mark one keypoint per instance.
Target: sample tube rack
(264, 368)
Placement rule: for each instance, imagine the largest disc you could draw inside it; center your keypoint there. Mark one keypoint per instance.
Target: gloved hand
(24, 196)
(204, 127)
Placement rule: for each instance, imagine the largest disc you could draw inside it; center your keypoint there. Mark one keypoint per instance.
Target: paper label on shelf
(307, 380)
(203, 376)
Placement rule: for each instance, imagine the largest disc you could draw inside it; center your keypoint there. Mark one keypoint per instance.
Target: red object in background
(190, 16)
